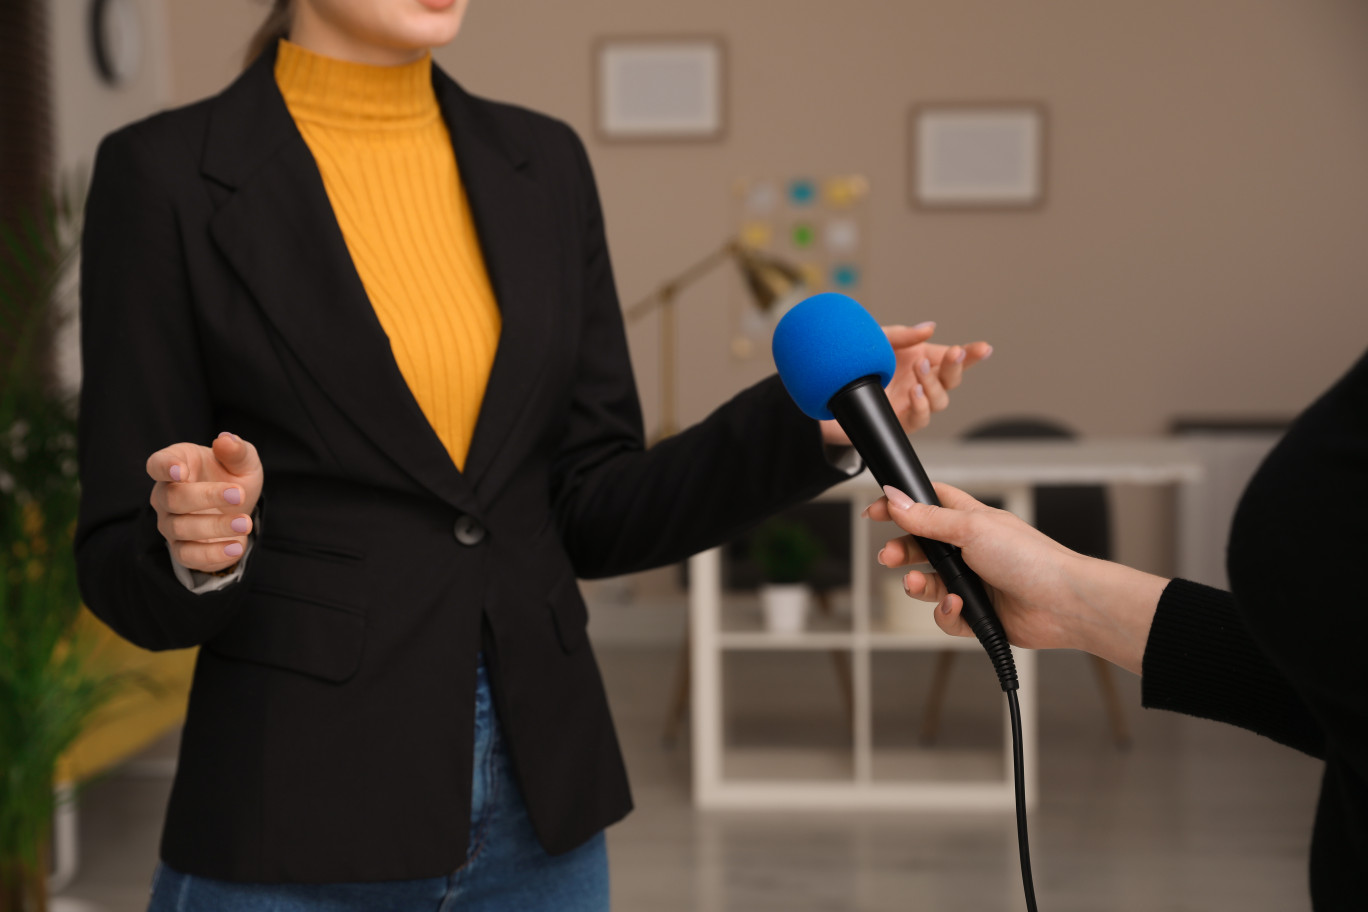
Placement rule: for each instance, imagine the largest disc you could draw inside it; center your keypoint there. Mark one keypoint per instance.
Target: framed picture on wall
(660, 89)
(981, 155)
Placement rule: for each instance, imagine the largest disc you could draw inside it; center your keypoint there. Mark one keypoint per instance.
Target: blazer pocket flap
(293, 632)
(569, 614)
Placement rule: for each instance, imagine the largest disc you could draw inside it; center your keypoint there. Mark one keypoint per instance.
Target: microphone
(835, 360)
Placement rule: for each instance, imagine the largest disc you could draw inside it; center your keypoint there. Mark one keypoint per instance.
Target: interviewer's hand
(204, 497)
(925, 374)
(1046, 595)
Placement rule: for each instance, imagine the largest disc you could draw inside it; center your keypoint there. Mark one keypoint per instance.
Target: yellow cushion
(141, 712)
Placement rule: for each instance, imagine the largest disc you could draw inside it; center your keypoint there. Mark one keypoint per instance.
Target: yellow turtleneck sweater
(387, 163)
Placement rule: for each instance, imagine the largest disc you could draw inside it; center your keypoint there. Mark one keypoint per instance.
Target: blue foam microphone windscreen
(826, 342)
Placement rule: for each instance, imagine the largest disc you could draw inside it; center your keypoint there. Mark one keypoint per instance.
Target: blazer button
(469, 532)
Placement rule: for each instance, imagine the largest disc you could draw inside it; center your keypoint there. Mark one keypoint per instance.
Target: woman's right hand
(1047, 596)
(204, 498)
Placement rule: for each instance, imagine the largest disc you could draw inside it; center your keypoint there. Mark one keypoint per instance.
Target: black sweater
(1283, 654)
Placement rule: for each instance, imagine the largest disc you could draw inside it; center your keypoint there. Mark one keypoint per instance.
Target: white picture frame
(660, 88)
(982, 155)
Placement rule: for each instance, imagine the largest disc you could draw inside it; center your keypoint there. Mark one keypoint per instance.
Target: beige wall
(84, 107)
(1205, 244)
(1203, 248)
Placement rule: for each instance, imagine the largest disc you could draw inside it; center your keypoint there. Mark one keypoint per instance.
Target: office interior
(1184, 265)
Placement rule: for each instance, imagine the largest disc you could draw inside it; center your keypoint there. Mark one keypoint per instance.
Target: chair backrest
(1076, 516)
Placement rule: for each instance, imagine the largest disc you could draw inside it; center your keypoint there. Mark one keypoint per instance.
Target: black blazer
(330, 728)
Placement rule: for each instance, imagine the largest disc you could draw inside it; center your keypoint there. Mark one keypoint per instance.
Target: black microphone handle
(863, 411)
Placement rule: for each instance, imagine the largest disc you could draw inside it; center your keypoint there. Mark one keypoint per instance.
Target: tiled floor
(1196, 816)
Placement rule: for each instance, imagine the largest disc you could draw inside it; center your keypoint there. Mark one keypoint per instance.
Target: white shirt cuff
(199, 582)
(844, 459)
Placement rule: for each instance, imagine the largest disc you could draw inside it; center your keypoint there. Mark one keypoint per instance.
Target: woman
(1282, 654)
(398, 297)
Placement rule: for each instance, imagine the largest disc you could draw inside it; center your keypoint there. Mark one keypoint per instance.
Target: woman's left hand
(925, 374)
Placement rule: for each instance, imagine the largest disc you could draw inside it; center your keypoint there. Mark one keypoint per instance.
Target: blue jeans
(506, 868)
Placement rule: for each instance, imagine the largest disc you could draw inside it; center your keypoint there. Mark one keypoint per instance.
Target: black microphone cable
(1019, 779)
(990, 635)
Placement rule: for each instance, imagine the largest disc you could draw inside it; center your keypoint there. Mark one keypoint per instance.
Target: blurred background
(1156, 212)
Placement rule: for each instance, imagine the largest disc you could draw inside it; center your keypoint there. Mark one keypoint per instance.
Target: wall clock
(116, 33)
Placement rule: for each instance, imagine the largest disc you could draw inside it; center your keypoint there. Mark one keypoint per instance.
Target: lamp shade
(772, 283)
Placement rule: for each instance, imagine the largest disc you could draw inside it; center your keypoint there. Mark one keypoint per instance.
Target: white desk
(1008, 469)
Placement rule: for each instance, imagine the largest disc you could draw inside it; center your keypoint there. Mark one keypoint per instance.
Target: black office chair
(1076, 516)
(829, 522)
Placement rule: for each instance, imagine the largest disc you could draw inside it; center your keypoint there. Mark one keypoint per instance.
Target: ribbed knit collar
(361, 96)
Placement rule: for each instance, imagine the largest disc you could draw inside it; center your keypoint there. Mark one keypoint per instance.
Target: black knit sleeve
(1201, 661)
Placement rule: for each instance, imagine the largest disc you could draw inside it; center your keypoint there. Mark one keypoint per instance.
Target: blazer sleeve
(1200, 660)
(622, 507)
(143, 388)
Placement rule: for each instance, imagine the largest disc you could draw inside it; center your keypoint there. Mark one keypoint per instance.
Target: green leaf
(49, 688)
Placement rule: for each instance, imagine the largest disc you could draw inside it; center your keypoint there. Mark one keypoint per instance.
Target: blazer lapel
(278, 231)
(521, 253)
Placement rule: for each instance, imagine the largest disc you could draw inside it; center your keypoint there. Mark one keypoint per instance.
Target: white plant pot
(785, 607)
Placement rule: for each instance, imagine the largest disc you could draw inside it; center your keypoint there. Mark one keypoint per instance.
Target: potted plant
(47, 689)
(786, 552)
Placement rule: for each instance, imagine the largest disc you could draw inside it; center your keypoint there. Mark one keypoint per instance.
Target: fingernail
(919, 391)
(960, 356)
(233, 549)
(175, 473)
(944, 606)
(880, 558)
(927, 324)
(233, 495)
(229, 434)
(897, 498)
(987, 354)
(925, 366)
(239, 525)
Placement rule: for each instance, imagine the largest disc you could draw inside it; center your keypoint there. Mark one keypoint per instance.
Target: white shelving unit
(864, 778)
(858, 787)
